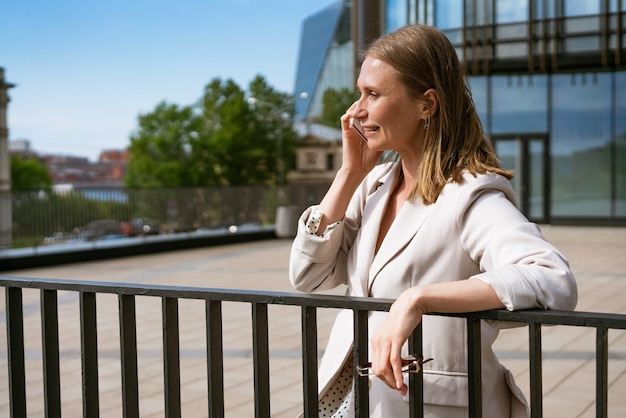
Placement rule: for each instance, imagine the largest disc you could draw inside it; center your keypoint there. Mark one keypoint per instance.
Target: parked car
(100, 229)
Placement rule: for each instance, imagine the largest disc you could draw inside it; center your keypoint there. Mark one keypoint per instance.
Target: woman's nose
(358, 110)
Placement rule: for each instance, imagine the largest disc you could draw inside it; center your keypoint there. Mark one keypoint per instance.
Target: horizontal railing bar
(181, 292)
(547, 317)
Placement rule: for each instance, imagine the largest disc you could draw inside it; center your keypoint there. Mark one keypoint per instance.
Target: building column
(5, 168)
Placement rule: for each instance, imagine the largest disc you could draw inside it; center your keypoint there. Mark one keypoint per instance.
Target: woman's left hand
(405, 314)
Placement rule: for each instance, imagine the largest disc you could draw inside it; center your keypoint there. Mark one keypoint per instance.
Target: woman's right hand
(358, 160)
(357, 156)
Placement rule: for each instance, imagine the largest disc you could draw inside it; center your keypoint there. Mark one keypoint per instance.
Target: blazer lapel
(368, 233)
(409, 220)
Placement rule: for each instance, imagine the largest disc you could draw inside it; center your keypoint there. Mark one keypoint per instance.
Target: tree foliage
(230, 137)
(29, 174)
(334, 104)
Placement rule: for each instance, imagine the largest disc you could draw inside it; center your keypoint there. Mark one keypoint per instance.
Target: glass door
(527, 155)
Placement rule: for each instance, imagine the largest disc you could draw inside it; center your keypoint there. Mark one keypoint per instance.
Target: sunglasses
(410, 364)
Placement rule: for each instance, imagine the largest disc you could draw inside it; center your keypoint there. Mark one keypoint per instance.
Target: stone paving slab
(597, 256)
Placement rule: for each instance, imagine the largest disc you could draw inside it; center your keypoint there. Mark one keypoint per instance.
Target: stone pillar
(5, 168)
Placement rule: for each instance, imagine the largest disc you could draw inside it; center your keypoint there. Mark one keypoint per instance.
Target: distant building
(109, 170)
(325, 59)
(21, 147)
(318, 156)
(548, 79)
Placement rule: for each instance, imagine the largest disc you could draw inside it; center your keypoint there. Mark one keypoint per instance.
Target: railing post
(309, 361)
(15, 352)
(261, 356)
(89, 354)
(602, 366)
(171, 357)
(416, 380)
(215, 358)
(536, 379)
(474, 368)
(128, 350)
(50, 344)
(361, 383)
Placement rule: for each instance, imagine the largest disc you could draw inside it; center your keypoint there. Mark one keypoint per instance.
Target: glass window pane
(479, 93)
(396, 15)
(581, 132)
(449, 14)
(508, 11)
(544, 9)
(536, 175)
(479, 12)
(620, 142)
(520, 104)
(582, 7)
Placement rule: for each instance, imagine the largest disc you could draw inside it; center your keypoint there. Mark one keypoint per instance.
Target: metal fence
(87, 214)
(213, 299)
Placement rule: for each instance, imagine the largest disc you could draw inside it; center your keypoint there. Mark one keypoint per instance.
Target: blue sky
(84, 70)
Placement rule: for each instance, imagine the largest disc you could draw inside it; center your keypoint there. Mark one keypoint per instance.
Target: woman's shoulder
(473, 185)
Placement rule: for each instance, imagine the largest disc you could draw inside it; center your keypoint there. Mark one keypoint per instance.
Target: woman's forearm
(337, 199)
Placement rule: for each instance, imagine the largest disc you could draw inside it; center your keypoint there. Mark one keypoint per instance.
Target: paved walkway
(597, 256)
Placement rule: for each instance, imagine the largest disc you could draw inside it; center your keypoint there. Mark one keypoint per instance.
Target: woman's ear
(431, 101)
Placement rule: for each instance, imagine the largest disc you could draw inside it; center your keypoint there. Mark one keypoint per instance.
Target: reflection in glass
(508, 11)
(509, 154)
(582, 7)
(581, 133)
(449, 14)
(479, 12)
(479, 93)
(520, 103)
(395, 15)
(535, 176)
(519, 154)
(325, 58)
(544, 9)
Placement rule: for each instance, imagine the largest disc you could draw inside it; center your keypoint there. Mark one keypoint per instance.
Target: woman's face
(389, 117)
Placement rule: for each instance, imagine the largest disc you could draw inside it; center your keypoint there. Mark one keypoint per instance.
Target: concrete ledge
(123, 247)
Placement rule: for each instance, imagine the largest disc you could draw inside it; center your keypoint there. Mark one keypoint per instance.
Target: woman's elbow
(566, 296)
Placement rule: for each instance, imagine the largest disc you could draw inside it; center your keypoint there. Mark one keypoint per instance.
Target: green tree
(334, 104)
(29, 174)
(230, 137)
(161, 148)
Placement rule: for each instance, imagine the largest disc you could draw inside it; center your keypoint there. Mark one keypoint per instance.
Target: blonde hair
(455, 141)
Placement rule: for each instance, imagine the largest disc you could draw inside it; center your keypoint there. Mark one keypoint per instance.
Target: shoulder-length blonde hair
(455, 141)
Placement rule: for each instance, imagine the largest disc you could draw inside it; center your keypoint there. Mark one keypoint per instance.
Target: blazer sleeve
(514, 258)
(320, 262)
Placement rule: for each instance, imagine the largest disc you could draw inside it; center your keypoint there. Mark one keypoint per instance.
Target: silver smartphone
(356, 124)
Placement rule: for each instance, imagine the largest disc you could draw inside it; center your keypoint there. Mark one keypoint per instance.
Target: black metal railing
(260, 301)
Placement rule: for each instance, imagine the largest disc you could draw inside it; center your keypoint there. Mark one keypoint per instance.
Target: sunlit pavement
(597, 256)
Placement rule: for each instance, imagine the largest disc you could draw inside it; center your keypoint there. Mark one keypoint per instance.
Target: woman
(435, 227)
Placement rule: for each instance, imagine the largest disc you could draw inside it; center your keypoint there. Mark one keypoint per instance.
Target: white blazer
(473, 230)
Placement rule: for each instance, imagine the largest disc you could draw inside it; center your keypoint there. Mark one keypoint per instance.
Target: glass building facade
(325, 58)
(549, 81)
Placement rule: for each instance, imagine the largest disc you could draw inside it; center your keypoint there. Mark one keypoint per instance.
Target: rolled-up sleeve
(522, 267)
